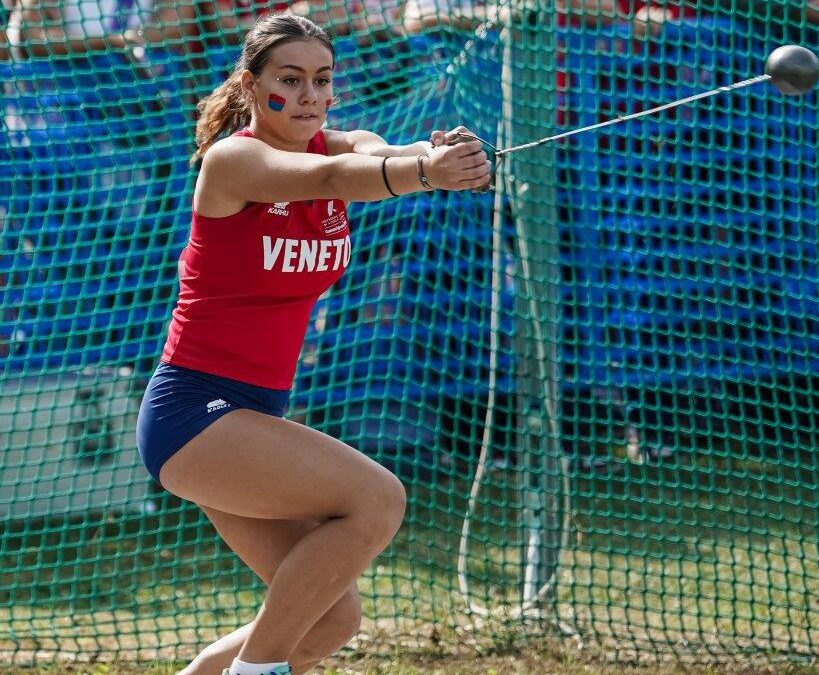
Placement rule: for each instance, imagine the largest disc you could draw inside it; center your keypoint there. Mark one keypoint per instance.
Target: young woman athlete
(269, 235)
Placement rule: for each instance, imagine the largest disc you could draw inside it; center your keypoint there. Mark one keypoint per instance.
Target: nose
(309, 93)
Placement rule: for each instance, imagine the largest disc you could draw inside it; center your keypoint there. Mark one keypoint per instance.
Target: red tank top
(249, 282)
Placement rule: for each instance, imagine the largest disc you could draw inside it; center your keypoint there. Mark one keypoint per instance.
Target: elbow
(330, 182)
(348, 183)
(333, 185)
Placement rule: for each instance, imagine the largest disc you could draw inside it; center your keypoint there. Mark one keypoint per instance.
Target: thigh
(258, 466)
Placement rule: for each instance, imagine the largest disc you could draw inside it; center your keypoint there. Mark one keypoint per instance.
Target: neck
(276, 141)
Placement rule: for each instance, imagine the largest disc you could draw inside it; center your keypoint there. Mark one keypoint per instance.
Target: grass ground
(525, 663)
(691, 560)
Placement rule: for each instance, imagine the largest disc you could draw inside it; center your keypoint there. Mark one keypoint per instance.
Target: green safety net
(598, 382)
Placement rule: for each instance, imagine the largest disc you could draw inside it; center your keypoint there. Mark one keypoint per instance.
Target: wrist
(386, 179)
(422, 176)
(417, 148)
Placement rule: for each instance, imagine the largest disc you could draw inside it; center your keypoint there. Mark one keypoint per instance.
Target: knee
(393, 501)
(381, 508)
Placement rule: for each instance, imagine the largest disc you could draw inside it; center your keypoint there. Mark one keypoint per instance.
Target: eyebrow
(301, 70)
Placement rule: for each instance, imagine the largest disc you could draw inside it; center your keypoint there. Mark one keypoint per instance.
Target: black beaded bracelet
(384, 174)
(421, 175)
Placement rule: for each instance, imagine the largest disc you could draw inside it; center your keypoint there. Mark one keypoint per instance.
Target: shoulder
(236, 143)
(228, 153)
(230, 160)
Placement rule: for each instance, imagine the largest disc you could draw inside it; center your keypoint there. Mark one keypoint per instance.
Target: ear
(248, 83)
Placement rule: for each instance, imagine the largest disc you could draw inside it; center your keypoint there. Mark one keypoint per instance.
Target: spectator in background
(368, 20)
(38, 29)
(236, 17)
(6, 8)
(646, 17)
(115, 32)
(421, 15)
(76, 27)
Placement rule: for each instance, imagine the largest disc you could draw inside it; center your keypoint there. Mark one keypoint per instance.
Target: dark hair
(226, 109)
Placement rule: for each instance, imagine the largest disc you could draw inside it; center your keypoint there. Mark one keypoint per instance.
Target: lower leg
(312, 577)
(331, 633)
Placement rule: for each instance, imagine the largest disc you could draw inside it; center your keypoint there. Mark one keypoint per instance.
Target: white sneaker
(226, 671)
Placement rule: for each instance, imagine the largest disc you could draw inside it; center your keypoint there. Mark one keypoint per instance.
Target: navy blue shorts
(179, 403)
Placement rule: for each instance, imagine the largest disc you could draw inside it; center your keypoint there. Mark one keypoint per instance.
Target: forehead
(311, 55)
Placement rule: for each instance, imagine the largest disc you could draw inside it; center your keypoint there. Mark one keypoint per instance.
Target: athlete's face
(292, 93)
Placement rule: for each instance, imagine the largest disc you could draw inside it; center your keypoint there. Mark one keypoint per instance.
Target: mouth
(306, 117)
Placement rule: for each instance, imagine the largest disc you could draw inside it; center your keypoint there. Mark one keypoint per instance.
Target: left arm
(363, 142)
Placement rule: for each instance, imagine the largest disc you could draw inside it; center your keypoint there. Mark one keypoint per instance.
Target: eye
(323, 81)
(290, 80)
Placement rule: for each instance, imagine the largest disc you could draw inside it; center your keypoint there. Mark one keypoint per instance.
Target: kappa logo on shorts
(218, 404)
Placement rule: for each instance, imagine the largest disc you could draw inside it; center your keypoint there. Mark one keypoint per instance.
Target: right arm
(236, 171)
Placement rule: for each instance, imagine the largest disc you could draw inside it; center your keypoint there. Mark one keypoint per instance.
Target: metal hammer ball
(793, 69)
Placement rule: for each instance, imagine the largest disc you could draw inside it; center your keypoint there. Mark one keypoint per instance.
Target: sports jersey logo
(336, 221)
(306, 255)
(279, 209)
(218, 404)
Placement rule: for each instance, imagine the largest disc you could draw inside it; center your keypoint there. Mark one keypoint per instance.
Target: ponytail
(224, 110)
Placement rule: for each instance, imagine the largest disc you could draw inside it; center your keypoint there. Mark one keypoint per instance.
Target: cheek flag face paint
(276, 103)
(328, 103)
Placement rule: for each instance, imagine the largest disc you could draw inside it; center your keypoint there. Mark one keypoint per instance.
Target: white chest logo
(306, 255)
(331, 207)
(279, 209)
